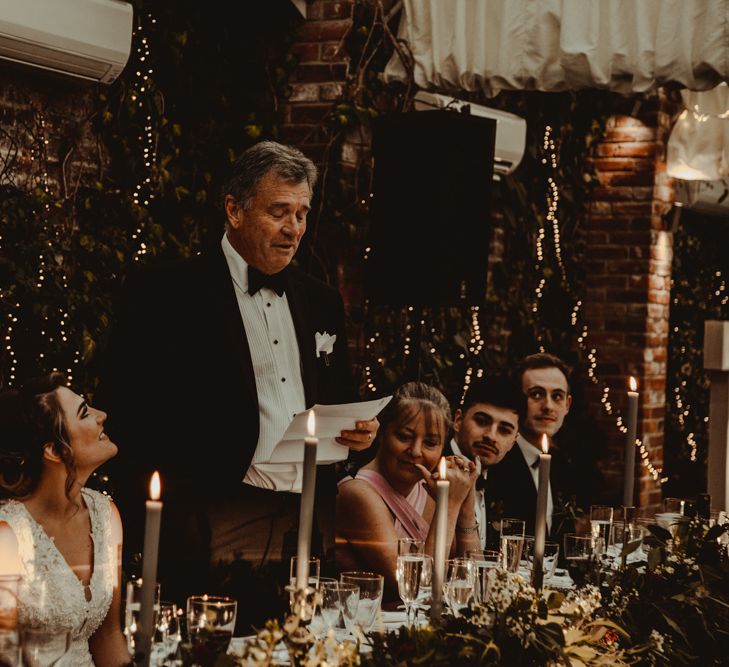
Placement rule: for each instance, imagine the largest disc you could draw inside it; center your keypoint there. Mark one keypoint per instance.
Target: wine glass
(459, 585)
(370, 595)
(511, 543)
(210, 625)
(42, 648)
(578, 552)
(483, 561)
(132, 607)
(408, 571)
(601, 521)
(409, 545)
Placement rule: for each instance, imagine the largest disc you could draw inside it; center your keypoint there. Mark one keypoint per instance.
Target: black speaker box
(430, 227)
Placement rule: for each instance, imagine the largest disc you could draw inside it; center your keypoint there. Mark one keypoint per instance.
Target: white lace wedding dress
(51, 595)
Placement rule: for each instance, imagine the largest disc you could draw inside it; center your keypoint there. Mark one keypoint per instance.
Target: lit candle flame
(633, 384)
(442, 468)
(155, 486)
(545, 443)
(311, 423)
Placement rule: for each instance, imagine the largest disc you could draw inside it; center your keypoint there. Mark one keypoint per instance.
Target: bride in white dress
(69, 538)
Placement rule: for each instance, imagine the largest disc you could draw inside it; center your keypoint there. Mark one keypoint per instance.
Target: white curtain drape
(554, 45)
(698, 148)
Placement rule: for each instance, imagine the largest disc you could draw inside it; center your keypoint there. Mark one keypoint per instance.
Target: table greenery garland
(672, 610)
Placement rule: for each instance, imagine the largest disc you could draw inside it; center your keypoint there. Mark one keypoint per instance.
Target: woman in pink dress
(391, 496)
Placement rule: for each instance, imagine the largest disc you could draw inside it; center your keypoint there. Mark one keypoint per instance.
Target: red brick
(306, 51)
(632, 149)
(626, 296)
(330, 91)
(320, 73)
(634, 133)
(639, 178)
(658, 297)
(612, 194)
(634, 238)
(333, 52)
(322, 31)
(608, 252)
(304, 92)
(632, 208)
(302, 114)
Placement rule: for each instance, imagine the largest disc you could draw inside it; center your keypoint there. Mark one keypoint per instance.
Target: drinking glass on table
(511, 543)
(549, 559)
(330, 606)
(210, 625)
(601, 521)
(459, 583)
(578, 552)
(407, 572)
(313, 570)
(409, 545)
(370, 595)
(482, 561)
(132, 608)
(167, 633)
(348, 604)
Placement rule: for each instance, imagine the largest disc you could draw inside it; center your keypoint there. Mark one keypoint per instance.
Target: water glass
(313, 570)
(675, 506)
(348, 604)
(370, 595)
(210, 625)
(43, 648)
(329, 606)
(482, 562)
(549, 561)
(132, 610)
(511, 543)
(578, 552)
(407, 572)
(459, 584)
(167, 633)
(601, 521)
(409, 545)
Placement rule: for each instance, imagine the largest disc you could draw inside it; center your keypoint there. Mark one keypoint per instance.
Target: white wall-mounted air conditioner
(510, 129)
(707, 197)
(87, 39)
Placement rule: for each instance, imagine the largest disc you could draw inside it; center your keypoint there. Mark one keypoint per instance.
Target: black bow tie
(481, 483)
(257, 280)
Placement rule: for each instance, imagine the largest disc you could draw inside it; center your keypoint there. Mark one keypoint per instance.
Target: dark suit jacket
(511, 493)
(181, 394)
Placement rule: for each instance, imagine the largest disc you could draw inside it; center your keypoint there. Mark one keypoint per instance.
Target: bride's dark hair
(30, 418)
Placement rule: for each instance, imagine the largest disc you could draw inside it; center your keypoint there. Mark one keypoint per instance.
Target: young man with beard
(486, 426)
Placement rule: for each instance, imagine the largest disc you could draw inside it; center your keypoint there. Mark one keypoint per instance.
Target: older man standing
(209, 361)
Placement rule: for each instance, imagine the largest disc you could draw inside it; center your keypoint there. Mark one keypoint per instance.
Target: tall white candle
(306, 513)
(441, 533)
(630, 436)
(540, 526)
(149, 568)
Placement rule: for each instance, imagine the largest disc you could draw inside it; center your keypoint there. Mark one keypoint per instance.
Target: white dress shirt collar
(236, 264)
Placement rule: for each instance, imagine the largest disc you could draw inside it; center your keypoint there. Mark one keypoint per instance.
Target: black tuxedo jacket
(510, 490)
(179, 385)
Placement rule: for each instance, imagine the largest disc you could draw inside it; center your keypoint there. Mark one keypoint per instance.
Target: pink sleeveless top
(408, 511)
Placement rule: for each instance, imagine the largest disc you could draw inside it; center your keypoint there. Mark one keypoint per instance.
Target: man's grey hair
(286, 162)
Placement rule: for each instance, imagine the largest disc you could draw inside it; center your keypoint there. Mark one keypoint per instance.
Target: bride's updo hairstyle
(409, 400)
(30, 418)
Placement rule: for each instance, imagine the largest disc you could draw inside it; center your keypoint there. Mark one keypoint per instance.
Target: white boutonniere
(324, 345)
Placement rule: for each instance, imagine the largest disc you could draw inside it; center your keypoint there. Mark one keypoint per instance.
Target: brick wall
(629, 256)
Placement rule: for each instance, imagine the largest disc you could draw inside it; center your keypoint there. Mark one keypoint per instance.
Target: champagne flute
(511, 543)
(408, 572)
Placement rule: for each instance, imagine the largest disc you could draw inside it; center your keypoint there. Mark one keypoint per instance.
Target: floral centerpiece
(671, 610)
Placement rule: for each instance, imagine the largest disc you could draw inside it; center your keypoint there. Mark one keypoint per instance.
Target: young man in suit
(513, 484)
(209, 360)
(486, 426)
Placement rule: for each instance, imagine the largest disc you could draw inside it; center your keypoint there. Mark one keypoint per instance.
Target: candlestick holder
(297, 636)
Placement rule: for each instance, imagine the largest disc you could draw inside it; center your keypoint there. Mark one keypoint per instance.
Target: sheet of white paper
(331, 420)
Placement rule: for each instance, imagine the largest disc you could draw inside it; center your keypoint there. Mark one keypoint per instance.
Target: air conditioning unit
(707, 197)
(87, 39)
(510, 129)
